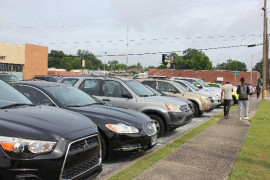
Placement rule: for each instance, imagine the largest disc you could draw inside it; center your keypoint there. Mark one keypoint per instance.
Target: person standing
(226, 90)
(243, 92)
(258, 91)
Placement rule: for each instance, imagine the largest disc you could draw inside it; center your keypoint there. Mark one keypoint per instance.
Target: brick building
(220, 76)
(24, 61)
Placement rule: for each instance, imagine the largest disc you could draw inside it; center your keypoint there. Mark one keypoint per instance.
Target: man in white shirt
(226, 90)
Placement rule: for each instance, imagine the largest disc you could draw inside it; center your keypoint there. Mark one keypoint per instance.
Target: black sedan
(121, 130)
(45, 142)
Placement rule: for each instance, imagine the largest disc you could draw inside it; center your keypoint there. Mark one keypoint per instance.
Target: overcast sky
(105, 27)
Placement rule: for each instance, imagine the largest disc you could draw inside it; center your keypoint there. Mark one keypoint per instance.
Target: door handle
(106, 100)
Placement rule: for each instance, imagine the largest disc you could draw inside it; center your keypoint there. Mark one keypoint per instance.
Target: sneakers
(240, 118)
(246, 118)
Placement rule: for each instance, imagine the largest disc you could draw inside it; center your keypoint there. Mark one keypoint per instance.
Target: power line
(202, 49)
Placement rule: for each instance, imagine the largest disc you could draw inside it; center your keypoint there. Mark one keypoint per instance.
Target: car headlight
(122, 128)
(20, 147)
(172, 107)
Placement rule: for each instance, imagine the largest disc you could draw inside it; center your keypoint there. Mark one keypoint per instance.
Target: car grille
(191, 107)
(149, 128)
(82, 156)
(184, 108)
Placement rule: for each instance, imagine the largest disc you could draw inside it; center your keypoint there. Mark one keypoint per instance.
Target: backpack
(243, 92)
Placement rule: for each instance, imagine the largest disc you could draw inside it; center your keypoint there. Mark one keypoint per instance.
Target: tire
(159, 124)
(104, 148)
(196, 110)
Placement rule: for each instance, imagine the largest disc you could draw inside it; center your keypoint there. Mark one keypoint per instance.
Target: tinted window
(69, 81)
(9, 95)
(113, 89)
(70, 96)
(164, 86)
(9, 78)
(90, 86)
(138, 88)
(180, 86)
(150, 83)
(35, 95)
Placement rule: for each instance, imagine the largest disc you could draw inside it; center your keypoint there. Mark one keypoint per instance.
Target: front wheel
(159, 124)
(196, 110)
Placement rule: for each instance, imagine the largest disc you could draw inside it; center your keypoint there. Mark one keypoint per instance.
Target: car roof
(97, 77)
(40, 84)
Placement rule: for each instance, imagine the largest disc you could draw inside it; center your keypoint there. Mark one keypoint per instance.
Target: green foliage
(259, 66)
(65, 63)
(232, 65)
(191, 59)
(54, 58)
(135, 66)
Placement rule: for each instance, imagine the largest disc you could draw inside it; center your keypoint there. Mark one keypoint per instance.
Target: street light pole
(264, 51)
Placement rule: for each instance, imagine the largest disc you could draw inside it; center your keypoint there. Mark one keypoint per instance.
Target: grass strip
(138, 167)
(253, 162)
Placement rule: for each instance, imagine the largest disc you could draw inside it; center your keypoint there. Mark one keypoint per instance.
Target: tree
(54, 58)
(65, 63)
(259, 66)
(232, 65)
(196, 60)
(86, 55)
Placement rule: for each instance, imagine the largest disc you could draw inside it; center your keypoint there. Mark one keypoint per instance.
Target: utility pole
(265, 58)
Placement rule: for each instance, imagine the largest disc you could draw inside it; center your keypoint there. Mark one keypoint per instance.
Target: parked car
(201, 103)
(47, 78)
(194, 89)
(45, 142)
(8, 78)
(201, 84)
(159, 93)
(121, 129)
(167, 114)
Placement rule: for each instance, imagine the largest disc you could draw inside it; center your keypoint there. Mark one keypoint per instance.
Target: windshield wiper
(144, 95)
(16, 105)
(84, 105)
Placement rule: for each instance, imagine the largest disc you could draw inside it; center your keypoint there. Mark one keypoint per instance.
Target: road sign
(235, 72)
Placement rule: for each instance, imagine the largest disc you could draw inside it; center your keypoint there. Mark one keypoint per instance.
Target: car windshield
(10, 96)
(9, 78)
(180, 87)
(69, 96)
(203, 83)
(191, 86)
(153, 90)
(139, 88)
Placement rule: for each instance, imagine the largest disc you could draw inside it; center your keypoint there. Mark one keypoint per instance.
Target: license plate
(153, 140)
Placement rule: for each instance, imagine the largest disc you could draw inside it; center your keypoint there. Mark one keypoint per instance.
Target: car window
(150, 83)
(9, 96)
(184, 85)
(35, 95)
(139, 88)
(214, 85)
(164, 86)
(70, 96)
(69, 81)
(9, 78)
(113, 89)
(90, 86)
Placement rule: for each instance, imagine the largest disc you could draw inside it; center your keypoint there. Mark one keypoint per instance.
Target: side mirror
(127, 95)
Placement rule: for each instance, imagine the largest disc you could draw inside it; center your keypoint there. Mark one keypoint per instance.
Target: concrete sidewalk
(209, 155)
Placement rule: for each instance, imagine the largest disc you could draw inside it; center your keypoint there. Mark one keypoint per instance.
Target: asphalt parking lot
(120, 161)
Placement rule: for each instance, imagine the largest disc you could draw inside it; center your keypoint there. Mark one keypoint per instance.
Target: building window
(11, 67)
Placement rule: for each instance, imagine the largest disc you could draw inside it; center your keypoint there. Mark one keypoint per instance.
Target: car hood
(44, 123)
(167, 99)
(104, 114)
